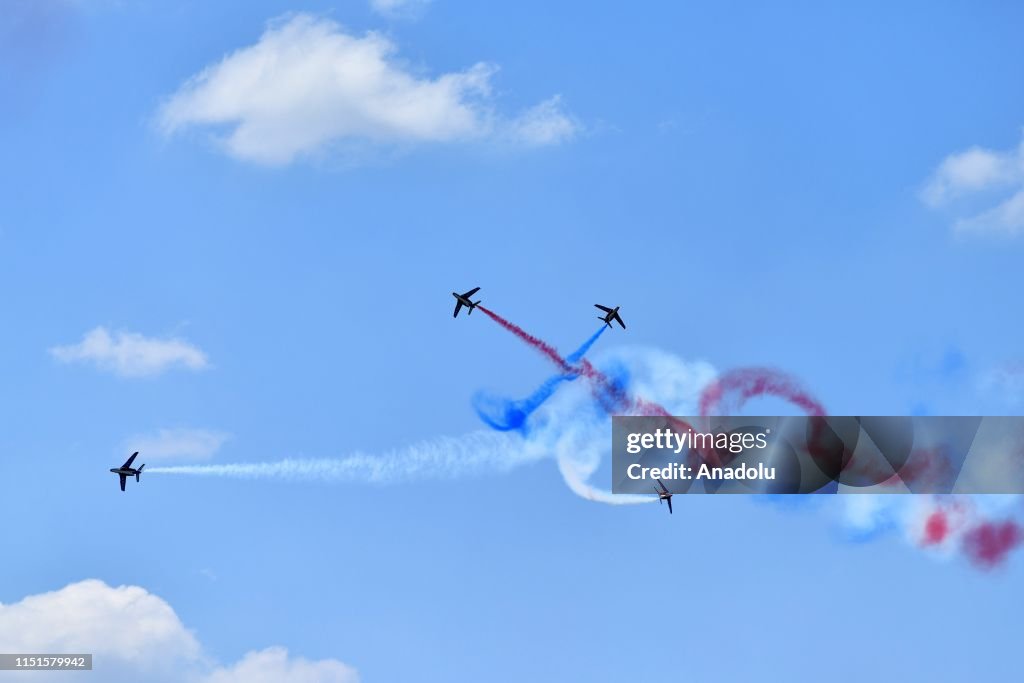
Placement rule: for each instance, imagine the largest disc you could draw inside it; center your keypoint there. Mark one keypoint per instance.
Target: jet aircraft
(663, 494)
(464, 300)
(610, 315)
(126, 470)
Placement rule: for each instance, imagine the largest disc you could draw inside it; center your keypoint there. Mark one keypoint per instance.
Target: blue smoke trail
(506, 415)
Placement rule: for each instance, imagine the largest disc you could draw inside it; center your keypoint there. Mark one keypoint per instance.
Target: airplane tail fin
(139, 471)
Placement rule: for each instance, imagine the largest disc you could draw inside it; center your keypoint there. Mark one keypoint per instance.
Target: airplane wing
(129, 461)
(471, 292)
(458, 307)
(603, 308)
(670, 506)
(122, 482)
(617, 319)
(662, 485)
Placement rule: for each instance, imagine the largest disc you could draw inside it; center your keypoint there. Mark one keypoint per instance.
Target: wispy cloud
(994, 182)
(130, 354)
(398, 8)
(137, 636)
(546, 123)
(308, 86)
(180, 443)
(275, 665)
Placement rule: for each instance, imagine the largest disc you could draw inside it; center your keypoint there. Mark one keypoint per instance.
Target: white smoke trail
(440, 458)
(568, 429)
(576, 475)
(474, 454)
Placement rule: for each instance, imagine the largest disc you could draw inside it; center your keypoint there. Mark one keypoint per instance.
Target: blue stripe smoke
(506, 415)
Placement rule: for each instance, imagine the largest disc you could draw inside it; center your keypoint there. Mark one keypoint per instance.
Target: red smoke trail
(536, 343)
(945, 522)
(612, 396)
(753, 382)
(927, 468)
(749, 381)
(986, 543)
(936, 528)
(989, 543)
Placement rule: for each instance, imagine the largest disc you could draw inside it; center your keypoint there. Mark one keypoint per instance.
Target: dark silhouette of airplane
(464, 300)
(663, 494)
(611, 314)
(126, 470)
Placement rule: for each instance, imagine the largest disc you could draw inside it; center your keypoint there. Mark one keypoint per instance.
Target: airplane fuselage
(463, 300)
(126, 470)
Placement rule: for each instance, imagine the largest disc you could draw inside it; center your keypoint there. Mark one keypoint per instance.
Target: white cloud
(1006, 218)
(307, 86)
(398, 8)
(543, 124)
(135, 636)
(970, 171)
(189, 444)
(273, 665)
(985, 174)
(132, 634)
(130, 354)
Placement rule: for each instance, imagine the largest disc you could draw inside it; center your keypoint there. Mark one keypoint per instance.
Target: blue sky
(825, 189)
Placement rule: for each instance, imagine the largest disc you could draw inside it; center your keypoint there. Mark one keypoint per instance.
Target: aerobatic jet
(464, 300)
(663, 494)
(126, 470)
(610, 315)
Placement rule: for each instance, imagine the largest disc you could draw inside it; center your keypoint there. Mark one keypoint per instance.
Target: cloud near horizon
(134, 636)
(130, 354)
(995, 178)
(309, 87)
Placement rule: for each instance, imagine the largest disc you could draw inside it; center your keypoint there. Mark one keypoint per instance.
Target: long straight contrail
(476, 453)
